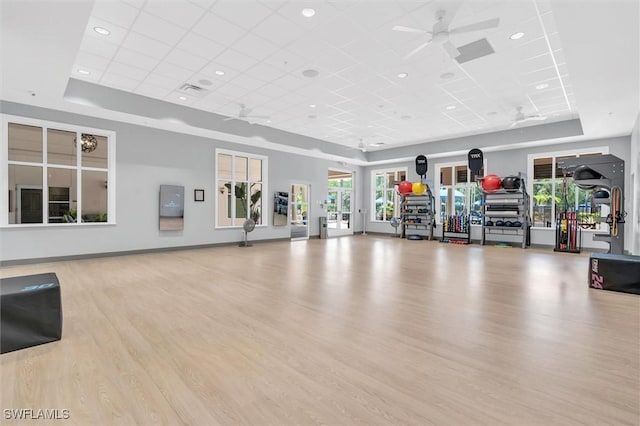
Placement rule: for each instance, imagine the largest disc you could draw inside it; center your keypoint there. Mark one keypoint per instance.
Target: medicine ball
(488, 223)
(405, 187)
(511, 183)
(499, 223)
(601, 194)
(508, 223)
(517, 224)
(491, 183)
(418, 188)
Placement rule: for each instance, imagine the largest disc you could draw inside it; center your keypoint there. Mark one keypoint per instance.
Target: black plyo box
(615, 272)
(30, 311)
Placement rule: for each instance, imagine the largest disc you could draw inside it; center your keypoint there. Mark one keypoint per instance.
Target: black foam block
(615, 272)
(30, 311)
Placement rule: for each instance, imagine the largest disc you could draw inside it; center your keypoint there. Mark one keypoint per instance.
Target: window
(385, 198)
(459, 193)
(56, 173)
(553, 192)
(241, 181)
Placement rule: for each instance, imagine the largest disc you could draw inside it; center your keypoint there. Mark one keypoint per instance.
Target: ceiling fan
(245, 114)
(522, 118)
(440, 32)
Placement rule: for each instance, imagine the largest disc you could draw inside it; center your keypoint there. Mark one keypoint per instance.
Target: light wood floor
(362, 330)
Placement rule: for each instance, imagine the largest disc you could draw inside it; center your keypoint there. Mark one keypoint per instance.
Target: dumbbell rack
(417, 215)
(507, 206)
(456, 229)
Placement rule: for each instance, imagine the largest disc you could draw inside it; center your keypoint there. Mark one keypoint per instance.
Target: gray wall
(508, 162)
(147, 158)
(634, 188)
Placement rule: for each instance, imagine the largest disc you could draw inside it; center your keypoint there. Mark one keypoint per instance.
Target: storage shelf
(411, 204)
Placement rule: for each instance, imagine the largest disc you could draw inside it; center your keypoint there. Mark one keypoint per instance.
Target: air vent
(193, 90)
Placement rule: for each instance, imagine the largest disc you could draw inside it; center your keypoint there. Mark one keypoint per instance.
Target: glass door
(339, 206)
(299, 211)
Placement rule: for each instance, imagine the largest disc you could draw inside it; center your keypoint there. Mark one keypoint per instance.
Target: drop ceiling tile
(272, 4)
(231, 91)
(90, 60)
(152, 91)
(325, 13)
(235, 60)
(291, 82)
(264, 72)
(286, 61)
(203, 4)
(278, 30)
(218, 30)
(343, 5)
(158, 29)
(334, 82)
(247, 82)
(98, 47)
(186, 60)
(254, 46)
(200, 46)
(272, 91)
(166, 69)
(209, 72)
(117, 33)
(126, 56)
(308, 47)
(115, 12)
(245, 14)
(255, 100)
(125, 70)
(164, 82)
(119, 82)
(340, 32)
(372, 15)
(181, 13)
(143, 44)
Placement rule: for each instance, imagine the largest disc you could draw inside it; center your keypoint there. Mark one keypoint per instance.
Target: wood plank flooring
(364, 330)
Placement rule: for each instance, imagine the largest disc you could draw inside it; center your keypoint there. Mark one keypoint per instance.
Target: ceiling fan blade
(229, 118)
(451, 49)
(417, 49)
(514, 124)
(482, 25)
(408, 29)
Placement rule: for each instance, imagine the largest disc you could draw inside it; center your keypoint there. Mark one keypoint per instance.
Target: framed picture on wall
(198, 194)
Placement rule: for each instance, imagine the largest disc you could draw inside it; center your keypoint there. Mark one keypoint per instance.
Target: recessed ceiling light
(182, 98)
(312, 116)
(101, 31)
(219, 72)
(450, 107)
(516, 36)
(403, 75)
(447, 75)
(268, 121)
(308, 12)
(542, 86)
(83, 72)
(205, 82)
(312, 106)
(310, 73)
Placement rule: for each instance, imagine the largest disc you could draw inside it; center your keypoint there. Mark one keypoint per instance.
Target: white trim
(45, 125)
(372, 189)
(436, 181)
(530, 159)
(264, 204)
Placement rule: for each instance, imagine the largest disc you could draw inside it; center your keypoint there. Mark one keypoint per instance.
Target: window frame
(372, 204)
(437, 184)
(554, 179)
(45, 125)
(264, 182)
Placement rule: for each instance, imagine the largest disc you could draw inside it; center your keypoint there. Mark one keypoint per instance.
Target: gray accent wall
(148, 158)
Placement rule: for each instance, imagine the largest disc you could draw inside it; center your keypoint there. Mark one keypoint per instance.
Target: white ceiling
(156, 46)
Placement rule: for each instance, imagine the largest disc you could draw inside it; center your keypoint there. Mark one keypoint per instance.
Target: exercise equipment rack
(568, 233)
(456, 229)
(507, 208)
(417, 215)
